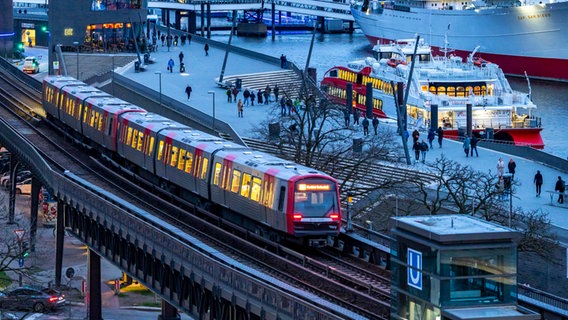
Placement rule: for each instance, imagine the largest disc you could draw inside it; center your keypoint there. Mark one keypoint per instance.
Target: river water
(338, 49)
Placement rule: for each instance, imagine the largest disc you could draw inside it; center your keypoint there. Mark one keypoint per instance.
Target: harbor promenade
(201, 71)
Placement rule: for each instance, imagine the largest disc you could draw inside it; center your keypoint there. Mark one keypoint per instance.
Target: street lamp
(349, 222)
(213, 93)
(160, 74)
(77, 45)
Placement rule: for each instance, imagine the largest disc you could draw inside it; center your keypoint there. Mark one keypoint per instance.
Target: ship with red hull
(519, 36)
(447, 82)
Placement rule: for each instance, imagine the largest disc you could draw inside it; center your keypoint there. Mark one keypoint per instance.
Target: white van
(31, 65)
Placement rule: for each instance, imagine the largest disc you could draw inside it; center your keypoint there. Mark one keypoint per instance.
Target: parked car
(31, 65)
(24, 187)
(20, 176)
(26, 298)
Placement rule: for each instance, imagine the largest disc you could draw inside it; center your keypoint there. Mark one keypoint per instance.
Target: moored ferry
(519, 35)
(447, 82)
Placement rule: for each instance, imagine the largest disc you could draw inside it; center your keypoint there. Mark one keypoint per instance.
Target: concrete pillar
(434, 116)
(208, 20)
(203, 18)
(12, 197)
(349, 97)
(36, 187)
(94, 279)
(169, 312)
(273, 28)
(59, 234)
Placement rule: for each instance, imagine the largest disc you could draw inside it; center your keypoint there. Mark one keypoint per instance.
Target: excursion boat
(447, 82)
(519, 35)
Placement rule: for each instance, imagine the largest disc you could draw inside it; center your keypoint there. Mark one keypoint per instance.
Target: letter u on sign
(414, 275)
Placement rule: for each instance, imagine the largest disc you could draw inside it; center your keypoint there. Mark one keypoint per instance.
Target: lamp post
(213, 93)
(160, 74)
(77, 46)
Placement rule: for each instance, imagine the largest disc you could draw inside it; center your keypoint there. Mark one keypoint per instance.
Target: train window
(167, 153)
(188, 162)
(256, 188)
(140, 141)
(217, 173)
(204, 166)
(161, 150)
(102, 119)
(151, 146)
(236, 181)
(92, 119)
(181, 159)
(267, 194)
(225, 182)
(85, 114)
(281, 198)
(134, 138)
(129, 136)
(245, 186)
(174, 156)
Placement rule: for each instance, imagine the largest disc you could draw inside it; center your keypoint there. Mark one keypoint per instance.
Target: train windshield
(316, 198)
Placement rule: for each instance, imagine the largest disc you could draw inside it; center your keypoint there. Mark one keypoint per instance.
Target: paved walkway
(202, 70)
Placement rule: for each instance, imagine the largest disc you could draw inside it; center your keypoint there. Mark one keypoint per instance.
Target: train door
(199, 171)
(164, 156)
(226, 177)
(147, 150)
(278, 221)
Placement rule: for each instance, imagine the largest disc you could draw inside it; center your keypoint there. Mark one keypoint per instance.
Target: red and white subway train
(271, 196)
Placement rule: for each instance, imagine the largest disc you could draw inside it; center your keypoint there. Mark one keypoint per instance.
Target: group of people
(263, 96)
(365, 123)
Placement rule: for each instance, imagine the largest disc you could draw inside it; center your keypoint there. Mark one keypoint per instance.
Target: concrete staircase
(288, 81)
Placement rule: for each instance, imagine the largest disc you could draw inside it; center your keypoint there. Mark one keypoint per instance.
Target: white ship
(520, 36)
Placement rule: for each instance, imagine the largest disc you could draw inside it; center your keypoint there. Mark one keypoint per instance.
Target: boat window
(477, 90)
(441, 90)
(333, 73)
(460, 92)
(451, 91)
(468, 91)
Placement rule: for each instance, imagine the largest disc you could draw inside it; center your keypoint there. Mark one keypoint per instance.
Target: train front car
(313, 210)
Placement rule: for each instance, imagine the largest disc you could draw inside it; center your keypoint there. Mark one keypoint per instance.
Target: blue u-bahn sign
(414, 273)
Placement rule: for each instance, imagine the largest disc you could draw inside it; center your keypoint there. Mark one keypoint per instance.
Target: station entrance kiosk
(454, 267)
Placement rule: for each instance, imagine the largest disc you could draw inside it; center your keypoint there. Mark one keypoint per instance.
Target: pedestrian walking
(235, 93)
(283, 106)
(346, 117)
(415, 135)
(365, 125)
(500, 167)
(252, 97)
(431, 136)
(538, 180)
(417, 147)
(183, 38)
(229, 95)
(276, 91)
(163, 38)
(474, 141)
(289, 105)
(512, 166)
(560, 187)
(188, 39)
(259, 96)
(240, 108)
(171, 65)
(180, 57)
(375, 124)
(282, 61)
(355, 116)
(266, 94)
(206, 48)
(466, 146)
(246, 95)
(440, 133)
(423, 150)
(188, 91)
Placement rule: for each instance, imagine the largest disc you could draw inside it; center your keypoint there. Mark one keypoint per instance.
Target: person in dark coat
(188, 91)
(246, 95)
(417, 147)
(259, 96)
(538, 180)
(365, 126)
(512, 166)
(375, 124)
(415, 135)
(431, 136)
(206, 48)
(171, 65)
(283, 106)
(423, 150)
(466, 145)
(346, 117)
(180, 57)
(355, 116)
(276, 91)
(440, 133)
(252, 96)
(560, 187)
(473, 142)
(235, 93)
(229, 95)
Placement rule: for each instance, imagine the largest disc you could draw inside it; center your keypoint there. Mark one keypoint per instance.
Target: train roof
(267, 163)
(83, 91)
(111, 104)
(61, 81)
(148, 121)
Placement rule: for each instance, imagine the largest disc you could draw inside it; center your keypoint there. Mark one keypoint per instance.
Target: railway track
(343, 289)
